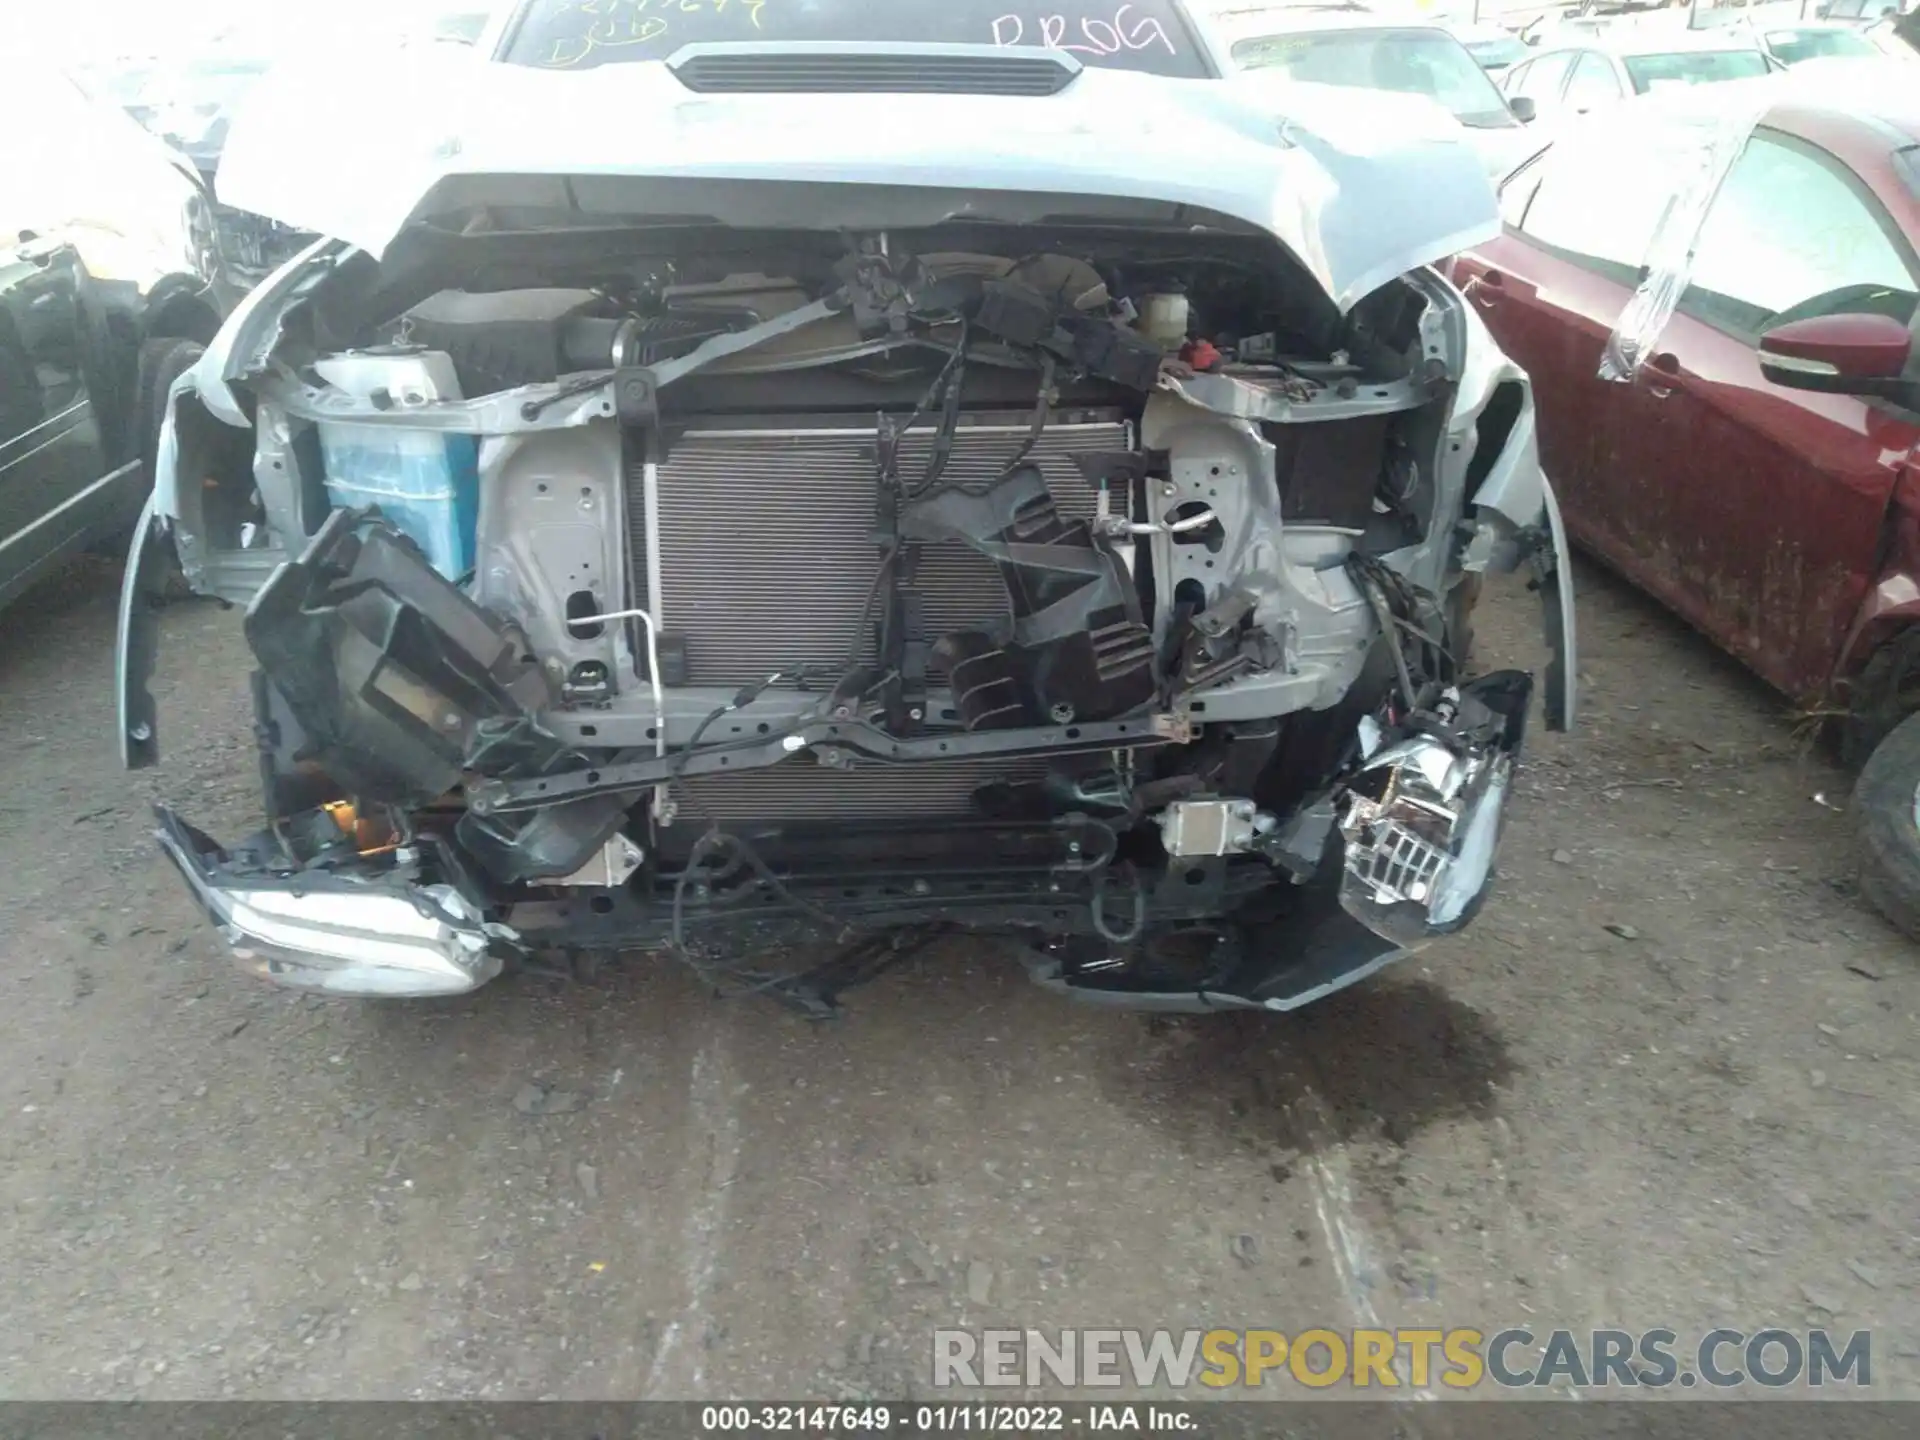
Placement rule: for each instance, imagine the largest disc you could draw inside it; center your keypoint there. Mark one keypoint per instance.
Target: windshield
(1693, 67)
(1129, 34)
(1497, 54)
(1790, 47)
(1411, 62)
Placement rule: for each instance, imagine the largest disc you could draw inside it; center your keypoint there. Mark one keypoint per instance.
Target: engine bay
(1093, 587)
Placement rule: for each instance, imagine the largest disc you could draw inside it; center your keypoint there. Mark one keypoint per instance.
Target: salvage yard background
(1667, 1080)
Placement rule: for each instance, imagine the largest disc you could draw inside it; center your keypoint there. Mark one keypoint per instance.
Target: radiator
(766, 536)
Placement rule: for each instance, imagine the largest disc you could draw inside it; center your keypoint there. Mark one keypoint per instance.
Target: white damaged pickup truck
(767, 509)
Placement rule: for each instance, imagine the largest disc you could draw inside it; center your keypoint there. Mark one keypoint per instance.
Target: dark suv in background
(109, 280)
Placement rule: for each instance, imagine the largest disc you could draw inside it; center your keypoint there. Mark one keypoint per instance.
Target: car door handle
(1487, 288)
(1665, 365)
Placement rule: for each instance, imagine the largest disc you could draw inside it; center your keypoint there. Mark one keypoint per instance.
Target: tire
(1888, 828)
(1885, 692)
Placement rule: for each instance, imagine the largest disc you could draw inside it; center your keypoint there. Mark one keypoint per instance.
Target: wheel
(1886, 806)
(1884, 693)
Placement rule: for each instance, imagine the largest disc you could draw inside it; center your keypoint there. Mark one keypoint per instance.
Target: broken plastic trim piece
(399, 680)
(360, 935)
(1553, 577)
(137, 643)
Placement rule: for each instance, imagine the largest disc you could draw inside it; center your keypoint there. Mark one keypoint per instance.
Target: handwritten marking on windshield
(610, 24)
(1101, 37)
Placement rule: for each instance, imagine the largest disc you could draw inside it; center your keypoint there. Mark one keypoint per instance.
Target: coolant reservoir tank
(1163, 319)
(409, 376)
(427, 482)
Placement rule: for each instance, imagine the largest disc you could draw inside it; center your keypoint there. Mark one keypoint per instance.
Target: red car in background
(1758, 473)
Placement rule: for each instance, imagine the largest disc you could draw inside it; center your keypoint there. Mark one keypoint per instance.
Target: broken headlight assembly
(1421, 818)
(362, 929)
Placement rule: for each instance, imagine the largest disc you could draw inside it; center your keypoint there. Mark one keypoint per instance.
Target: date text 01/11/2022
(951, 1419)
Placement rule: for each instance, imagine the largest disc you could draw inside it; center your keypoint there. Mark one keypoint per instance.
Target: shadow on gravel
(1380, 1061)
(37, 626)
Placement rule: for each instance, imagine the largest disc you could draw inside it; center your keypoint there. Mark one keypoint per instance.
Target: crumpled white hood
(1342, 179)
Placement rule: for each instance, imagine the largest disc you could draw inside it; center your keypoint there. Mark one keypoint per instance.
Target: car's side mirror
(1839, 355)
(1523, 108)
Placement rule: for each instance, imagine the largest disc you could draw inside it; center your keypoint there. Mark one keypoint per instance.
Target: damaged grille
(766, 537)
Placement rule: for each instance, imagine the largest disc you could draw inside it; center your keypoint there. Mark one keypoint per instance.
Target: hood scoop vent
(851, 69)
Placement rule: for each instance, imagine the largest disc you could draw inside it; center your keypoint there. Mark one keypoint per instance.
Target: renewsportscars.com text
(1459, 1359)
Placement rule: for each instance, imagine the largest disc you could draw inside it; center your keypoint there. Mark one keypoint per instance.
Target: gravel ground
(1667, 1079)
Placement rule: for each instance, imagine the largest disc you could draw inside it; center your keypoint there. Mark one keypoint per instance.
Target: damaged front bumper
(1396, 856)
(1209, 903)
(357, 933)
(1399, 854)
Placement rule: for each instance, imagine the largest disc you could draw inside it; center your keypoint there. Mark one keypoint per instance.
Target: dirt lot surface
(1668, 1079)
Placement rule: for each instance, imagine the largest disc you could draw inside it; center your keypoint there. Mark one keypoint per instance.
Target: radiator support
(752, 540)
(763, 535)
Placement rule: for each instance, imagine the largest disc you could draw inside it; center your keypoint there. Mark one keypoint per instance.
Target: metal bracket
(486, 797)
(613, 864)
(636, 397)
